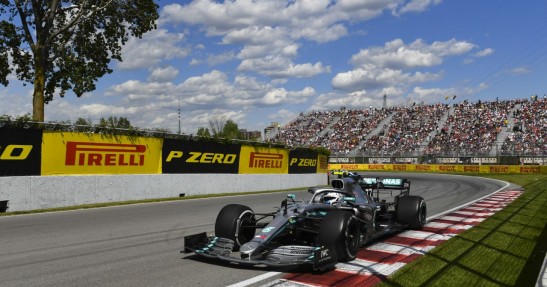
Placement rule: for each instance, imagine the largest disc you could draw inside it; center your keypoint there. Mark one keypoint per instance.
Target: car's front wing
(320, 257)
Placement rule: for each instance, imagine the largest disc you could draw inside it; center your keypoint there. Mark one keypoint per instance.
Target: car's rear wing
(373, 186)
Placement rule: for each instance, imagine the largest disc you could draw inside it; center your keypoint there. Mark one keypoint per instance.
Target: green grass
(507, 249)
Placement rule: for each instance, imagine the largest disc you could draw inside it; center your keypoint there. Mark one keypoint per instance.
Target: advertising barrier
(302, 161)
(443, 168)
(255, 160)
(82, 153)
(323, 163)
(187, 156)
(20, 152)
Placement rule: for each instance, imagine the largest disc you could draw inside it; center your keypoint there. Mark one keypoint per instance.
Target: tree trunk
(38, 101)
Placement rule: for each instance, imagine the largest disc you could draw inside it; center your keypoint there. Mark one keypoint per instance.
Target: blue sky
(256, 62)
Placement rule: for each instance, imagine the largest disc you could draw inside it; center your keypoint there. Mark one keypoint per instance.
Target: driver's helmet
(332, 197)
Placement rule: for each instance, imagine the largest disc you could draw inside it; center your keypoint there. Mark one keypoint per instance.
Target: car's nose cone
(248, 247)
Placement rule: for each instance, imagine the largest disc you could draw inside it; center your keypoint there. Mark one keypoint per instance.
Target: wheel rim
(245, 234)
(352, 236)
(423, 213)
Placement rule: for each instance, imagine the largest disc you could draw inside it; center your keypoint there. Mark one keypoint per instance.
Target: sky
(261, 61)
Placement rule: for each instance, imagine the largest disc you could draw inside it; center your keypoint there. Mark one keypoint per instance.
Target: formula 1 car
(327, 229)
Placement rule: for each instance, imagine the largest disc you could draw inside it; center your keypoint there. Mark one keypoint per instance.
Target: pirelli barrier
(33, 152)
(82, 153)
(443, 168)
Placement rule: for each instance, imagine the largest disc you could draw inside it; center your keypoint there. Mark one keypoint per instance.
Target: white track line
(466, 204)
(255, 279)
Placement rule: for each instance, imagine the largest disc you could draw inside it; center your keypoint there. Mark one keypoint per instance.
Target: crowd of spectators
(350, 130)
(469, 129)
(302, 130)
(529, 135)
(407, 130)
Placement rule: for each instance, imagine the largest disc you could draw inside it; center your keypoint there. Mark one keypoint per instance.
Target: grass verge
(507, 249)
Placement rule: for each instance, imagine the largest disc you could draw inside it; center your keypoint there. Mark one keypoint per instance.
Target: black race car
(328, 228)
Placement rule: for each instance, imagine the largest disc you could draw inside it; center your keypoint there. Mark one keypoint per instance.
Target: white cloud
(195, 62)
(439, 95)
(165, 74)
(213, 90)
(355, 100)
(520, 71)
(154, 47)
(282, 116)
(432, 95)
(395, 54)
(373, 78)
(416, 6)
(278, 67)
(254, 35)
(268, 40)
(136, 91)
(279, 96)
(220, 58)
(382, 67)
(15, 103)
(484, 53)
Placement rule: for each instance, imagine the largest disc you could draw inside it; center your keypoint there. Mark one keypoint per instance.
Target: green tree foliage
(203, 132)
(83, 122)
(231, 130)
(227, 129)
(115, 123)
(67, 45)
(83, 125)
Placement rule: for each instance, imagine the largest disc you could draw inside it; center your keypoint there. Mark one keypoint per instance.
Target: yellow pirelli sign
(259, 160)
(80, 153)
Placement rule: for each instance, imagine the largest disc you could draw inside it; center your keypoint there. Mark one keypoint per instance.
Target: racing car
(326, 229)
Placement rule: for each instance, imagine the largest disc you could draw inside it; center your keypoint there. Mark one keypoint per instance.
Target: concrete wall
(39, 192)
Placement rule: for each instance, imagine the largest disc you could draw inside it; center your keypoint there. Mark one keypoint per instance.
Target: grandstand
(510, 127)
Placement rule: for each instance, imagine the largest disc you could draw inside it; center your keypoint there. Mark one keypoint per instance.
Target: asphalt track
(138, 245)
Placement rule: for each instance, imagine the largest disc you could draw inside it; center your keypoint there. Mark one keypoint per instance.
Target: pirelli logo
(265, 160)
(104, 154)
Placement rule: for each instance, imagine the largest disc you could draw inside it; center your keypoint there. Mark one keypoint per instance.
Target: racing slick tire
(412, 211)
(340, 232)
(231, 222)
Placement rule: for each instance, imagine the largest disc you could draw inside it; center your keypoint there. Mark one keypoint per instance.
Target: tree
(231, 131)
(203, 132)
(83, 125)
(83, 122)
(115, 123)
(67, 45)
(227, 129)
(217, 125)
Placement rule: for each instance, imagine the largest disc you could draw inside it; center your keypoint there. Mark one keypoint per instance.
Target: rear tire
(231, 223)
(340, 231)
(412, 211)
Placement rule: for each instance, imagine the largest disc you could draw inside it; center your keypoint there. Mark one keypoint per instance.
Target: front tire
(340, 232)
(236, 222)
(412, 211)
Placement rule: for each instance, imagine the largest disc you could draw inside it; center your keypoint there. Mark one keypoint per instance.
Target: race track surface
(138, 245)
